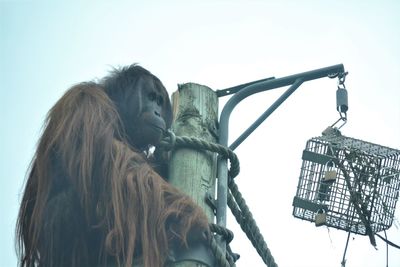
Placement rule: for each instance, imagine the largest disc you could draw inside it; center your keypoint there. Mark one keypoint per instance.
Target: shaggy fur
(91, 197)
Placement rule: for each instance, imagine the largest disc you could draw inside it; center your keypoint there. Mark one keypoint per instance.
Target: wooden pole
(195, 109)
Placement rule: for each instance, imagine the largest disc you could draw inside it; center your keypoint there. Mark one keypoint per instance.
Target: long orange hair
(90, 197)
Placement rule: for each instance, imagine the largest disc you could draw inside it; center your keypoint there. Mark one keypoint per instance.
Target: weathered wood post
(195, 109)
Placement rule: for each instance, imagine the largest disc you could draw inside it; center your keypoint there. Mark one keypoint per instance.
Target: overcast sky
(45, 47)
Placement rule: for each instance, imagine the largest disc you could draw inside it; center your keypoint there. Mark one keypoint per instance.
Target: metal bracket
(242, 92)
(235, 89)
(210, 201)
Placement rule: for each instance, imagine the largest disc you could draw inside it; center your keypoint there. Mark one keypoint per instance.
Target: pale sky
(45, 47)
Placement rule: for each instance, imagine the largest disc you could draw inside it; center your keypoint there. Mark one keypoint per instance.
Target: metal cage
(348, 184)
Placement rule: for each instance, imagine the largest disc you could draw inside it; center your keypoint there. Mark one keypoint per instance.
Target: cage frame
(360, 197)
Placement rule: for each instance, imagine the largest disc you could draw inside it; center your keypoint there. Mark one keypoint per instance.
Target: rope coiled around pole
(236, 202)
(173, 141)
(223, 259)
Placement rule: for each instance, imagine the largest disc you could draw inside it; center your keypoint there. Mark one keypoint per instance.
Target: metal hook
(341, 99)
(342, 118)
(342, 78)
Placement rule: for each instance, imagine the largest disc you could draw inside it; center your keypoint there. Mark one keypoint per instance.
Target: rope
(228, 236)
(191, 142)
(244, 217)
(236, 202)
(223, 259)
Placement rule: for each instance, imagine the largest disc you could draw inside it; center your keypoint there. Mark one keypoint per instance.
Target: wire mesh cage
(348, 184)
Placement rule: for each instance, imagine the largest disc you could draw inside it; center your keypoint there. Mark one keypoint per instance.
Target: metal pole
(251, 89)
(237, 88)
